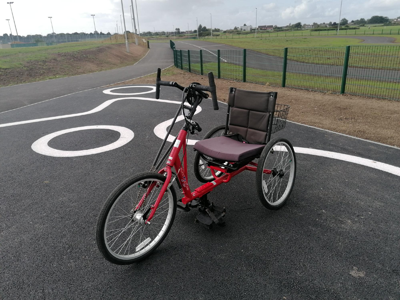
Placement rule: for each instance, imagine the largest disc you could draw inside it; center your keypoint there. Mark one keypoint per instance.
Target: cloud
(383, 4)
(303, 10)
(270, 6)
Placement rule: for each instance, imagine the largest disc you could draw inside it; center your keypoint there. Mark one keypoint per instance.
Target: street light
(11, 39)
(197, 22)
(134, 23)
(52, 28)
(211, 23)
(137, 17)
(340, 13)
(95, 31)
(51, 22)
(126, 36)
(13, 19)
(256, 23)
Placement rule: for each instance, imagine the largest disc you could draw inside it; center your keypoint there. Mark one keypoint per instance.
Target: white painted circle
(110, 91)
(41, 146)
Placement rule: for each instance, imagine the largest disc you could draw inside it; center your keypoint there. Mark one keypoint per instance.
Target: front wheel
(276, 172)
(123, 236)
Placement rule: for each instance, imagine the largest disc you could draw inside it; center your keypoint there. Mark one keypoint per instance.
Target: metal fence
(387, 30)
(372, 71)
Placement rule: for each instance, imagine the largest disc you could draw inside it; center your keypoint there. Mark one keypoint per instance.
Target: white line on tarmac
(41, 146)
(161, 130)
(204, 49)
(350, 158)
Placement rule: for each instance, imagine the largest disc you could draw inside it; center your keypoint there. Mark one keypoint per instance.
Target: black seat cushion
(227, 149)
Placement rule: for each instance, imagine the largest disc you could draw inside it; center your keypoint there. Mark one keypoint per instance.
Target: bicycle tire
(114, 241)
(279, 157)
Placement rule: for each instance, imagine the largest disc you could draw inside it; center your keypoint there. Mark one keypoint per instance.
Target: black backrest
(249, 114)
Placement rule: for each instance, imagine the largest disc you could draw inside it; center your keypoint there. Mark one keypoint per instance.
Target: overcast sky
(70, 16)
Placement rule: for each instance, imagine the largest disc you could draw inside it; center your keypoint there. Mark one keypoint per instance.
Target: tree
(344, 21)
(177, 30)
(378, 20)
(297, 25)
(361, 22)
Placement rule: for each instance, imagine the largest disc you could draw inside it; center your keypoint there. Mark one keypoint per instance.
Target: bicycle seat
(249, 116)
(228, 149)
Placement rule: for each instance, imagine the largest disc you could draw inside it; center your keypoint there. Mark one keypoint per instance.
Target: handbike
(139, 213)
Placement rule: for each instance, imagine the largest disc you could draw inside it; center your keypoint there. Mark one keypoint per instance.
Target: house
(266, 27)
(307, 26)
(246, 28)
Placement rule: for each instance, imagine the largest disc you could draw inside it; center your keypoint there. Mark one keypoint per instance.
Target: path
(16, 96)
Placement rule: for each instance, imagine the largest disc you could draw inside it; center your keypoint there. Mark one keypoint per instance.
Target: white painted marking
(161, 130)
(41, 146)
(350, 158)
(204, 49)
(345, 157)
(94, 110)
(110, 91)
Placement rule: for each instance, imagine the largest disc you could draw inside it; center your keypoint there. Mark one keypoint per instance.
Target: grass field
(22, 65)
(372, 30)
(16, 57)
(322, 50)
(371, 88)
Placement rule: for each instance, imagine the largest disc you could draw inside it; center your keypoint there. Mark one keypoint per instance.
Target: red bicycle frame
(182, 174)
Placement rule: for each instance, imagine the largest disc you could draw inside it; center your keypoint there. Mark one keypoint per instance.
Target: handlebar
(198, 87)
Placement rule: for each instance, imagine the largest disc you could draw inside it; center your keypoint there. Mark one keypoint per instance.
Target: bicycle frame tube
(182, 174)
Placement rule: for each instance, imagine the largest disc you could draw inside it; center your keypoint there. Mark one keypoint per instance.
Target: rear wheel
(201, 170)
(276, 173)
(122, 235)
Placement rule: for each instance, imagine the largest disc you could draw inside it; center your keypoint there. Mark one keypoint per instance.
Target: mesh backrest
(249, 114)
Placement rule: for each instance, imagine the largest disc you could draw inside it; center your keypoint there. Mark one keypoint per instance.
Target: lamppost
(211, 23)
(13, 19)
(95, 31)
(256, 23)
(52, 28)
(51, 22)
(134, 22)
(11, 40)
(197, 22)
(137, 17)
(340, 13)
(126, 36)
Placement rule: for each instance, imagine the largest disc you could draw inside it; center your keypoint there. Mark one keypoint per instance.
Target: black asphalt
(258, 60)
(337, 237)
(24, 94)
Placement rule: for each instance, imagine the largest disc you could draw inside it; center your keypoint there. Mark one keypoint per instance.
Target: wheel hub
(275, 172)
(138, 216)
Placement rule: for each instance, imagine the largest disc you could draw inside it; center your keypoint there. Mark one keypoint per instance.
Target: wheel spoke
(274, 188)
(125, 236)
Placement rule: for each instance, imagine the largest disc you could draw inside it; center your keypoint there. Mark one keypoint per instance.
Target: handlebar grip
(213, 90)
(158, 83)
